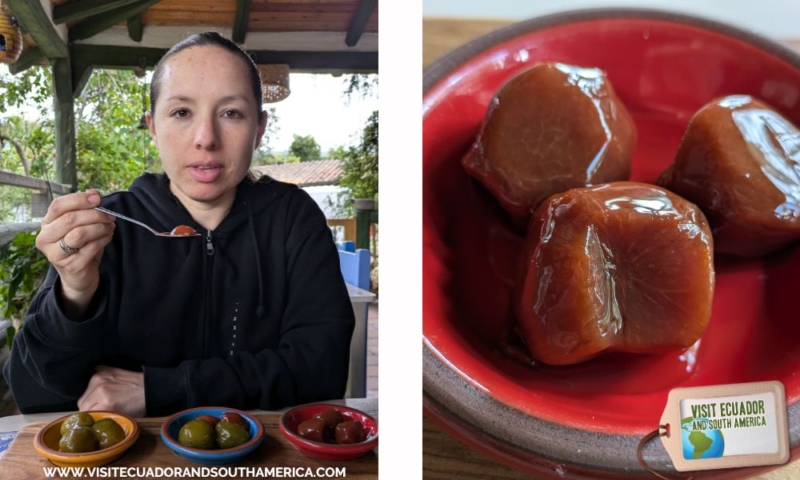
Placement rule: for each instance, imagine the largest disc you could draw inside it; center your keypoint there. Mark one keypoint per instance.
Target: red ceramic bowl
(328, 451)
(585, 420)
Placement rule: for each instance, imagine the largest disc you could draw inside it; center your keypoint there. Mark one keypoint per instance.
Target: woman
(251, 314)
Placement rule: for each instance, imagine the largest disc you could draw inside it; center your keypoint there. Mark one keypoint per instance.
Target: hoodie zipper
(209, 264)
(209, 244)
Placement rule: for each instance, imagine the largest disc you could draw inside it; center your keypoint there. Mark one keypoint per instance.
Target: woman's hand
(72, 238)
(116, 390)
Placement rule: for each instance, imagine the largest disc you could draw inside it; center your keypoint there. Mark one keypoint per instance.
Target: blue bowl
(173, 425)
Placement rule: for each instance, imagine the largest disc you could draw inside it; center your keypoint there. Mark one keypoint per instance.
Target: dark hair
(214, 39)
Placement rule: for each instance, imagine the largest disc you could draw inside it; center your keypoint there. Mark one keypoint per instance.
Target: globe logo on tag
(700, 442)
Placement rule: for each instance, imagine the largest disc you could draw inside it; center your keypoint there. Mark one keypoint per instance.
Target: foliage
(36, 140)
(111, 150)
(360, 169)
(362, 84)
(361, 163)
(33, 87)
(305, 148)
(337, 153)
(272, 130)
(261, 157)
(22, 270)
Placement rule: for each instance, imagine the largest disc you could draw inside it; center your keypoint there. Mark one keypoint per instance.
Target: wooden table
(21, 461)
(443, 456)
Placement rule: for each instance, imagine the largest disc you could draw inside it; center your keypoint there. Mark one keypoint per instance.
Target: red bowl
(328, 451)
(585, 420)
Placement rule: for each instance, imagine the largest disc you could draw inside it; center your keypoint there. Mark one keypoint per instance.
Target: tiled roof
(305, 174)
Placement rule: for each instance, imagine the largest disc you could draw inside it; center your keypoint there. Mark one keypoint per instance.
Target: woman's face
(205, 124)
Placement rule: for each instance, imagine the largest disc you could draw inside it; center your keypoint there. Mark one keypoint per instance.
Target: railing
(14, 180)
(40, 199)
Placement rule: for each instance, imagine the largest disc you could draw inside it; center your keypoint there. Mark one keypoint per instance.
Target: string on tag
(661, 431)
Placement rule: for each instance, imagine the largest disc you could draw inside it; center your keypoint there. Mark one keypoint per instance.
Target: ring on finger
(67, 249)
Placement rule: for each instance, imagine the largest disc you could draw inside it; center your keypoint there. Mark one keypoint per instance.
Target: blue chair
(355, 267)
(347, 246)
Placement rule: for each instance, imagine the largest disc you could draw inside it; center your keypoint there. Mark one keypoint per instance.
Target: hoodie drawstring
(260, 310)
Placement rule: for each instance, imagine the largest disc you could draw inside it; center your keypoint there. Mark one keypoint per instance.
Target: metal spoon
(152, 230)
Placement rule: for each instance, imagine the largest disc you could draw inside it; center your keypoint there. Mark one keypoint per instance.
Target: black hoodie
(254, 314)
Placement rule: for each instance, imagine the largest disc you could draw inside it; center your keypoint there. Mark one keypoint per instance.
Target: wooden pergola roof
(308, 35)
(75, 36)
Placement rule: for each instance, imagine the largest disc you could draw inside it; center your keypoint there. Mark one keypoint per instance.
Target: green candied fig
(197, 434)
(80, 419)
(108, 432)
(78, 440)
(231, 435)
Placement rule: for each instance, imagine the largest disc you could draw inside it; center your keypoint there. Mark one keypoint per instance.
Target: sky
(317, 107)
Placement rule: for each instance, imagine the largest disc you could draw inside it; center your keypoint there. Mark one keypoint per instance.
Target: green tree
(261, 157)
(361, 163)
(337, 153)
(305, 148)
(359, 170)
(273, 127)
(360, 167)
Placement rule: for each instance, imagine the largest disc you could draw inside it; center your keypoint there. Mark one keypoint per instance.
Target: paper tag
(726, 426)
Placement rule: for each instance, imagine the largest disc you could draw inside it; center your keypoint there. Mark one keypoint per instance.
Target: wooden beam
(37, 23)
(135, 28)
(29, 58)
(14, 180)
(345, 61)
(97, 23)
(359, 21)
(240, 20)
(64, 107)
(116, 57)
(140, 57)
(167, 36)
(72, 12)
(80, 75)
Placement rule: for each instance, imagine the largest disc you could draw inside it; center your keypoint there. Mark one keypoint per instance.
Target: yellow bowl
(46, 442)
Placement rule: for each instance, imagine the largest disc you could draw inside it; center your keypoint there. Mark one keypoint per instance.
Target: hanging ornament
(275, 82)
(10, 36)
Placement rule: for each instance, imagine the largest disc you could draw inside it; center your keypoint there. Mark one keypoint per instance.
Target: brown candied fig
(331, 416)
(312, 429)
(183, 231)
(234, 417)
(551, 128)
(739, 161)
(212, 420)
(623, 266)
(350, 432)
